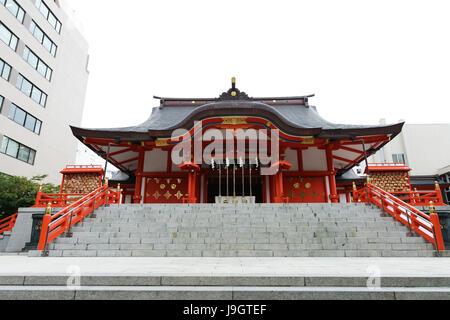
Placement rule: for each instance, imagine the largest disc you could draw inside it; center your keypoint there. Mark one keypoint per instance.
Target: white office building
(425, 148)
(43, 79)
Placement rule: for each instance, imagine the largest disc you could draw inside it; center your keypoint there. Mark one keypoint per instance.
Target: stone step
(225, 280)
(234, 253)
(238, 246)
(220, 293)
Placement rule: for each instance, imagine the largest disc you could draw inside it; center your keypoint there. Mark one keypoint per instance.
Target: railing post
(355, 193)
(69, 233)
(367, 188)
(106, 185)
(434, 218)
(44, 230)
(38, 196)
(93, 215)
(118, 194)
(439, 199)
(382, 214)
(410, 233)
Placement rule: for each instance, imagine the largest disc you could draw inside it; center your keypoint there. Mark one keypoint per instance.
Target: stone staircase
(253, 230)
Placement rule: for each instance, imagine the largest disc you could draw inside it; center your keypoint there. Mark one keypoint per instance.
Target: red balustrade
(8, 223)
(425, 225)
(60, 222)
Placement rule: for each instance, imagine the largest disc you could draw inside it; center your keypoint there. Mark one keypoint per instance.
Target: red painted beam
(343, 159)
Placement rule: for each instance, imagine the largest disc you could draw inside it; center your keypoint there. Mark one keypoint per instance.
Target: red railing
(8, 223)
(57, 200)
(58, 223)
(425, 225)
(421, 198)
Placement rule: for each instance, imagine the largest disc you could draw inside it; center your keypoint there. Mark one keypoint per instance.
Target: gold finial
(436, 185)
(118, 187)
(48, 210)
(432, 208)
(40, 187)
(354, 186)
(142, 144)
(233, 80)
(368, 179)
(106, 181)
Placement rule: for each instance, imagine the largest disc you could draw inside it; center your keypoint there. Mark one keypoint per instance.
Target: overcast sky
(364, 60)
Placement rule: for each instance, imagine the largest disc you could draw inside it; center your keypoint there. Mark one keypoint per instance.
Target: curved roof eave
(295, 120)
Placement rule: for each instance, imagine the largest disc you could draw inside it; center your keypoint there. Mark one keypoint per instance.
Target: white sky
(364, 60)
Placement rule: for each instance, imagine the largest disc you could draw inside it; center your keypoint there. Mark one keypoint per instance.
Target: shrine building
(312, 152)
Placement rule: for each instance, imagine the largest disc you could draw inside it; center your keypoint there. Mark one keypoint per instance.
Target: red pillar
(192, 177)
(332, 177)
(138, 187)
(347, 195)
(278, 179)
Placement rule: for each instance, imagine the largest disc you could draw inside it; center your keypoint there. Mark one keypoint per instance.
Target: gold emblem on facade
(162, 185)
(234, 120)
(296, 185)
(179, 180)
(167, 195)
(173, 186)
(308, 140)
(156, 195)
(157, 180)
(168, 180)
(161, 142)
(307, 185)
(178, 195)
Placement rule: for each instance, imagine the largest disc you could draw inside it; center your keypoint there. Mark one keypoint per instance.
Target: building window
(48, 14)
(14, 8)
(34, 61)
(398, 158)
(1, 103)
(31, 90)
(37, 32)
(5, 69)
(25, 119)
(17, 150)
(8, 37)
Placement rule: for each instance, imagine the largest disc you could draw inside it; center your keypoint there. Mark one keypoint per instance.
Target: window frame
(53, 47)
(19, 10)
(21, 78)
(15, 107)
(2, 69)
(19, 145)
(12, 35)
(58, 25)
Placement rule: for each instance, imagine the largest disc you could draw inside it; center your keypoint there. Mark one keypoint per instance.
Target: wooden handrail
(425, 225)
(7, 224)
(54, 225)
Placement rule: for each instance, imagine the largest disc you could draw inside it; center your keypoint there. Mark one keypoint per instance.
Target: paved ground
(185, 266)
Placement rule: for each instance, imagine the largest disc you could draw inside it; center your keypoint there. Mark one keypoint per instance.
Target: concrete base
(21, 233)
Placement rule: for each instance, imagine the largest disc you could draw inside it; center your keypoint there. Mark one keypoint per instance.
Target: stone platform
(23, 277)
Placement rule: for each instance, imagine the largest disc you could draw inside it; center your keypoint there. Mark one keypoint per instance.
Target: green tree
(17, 192)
